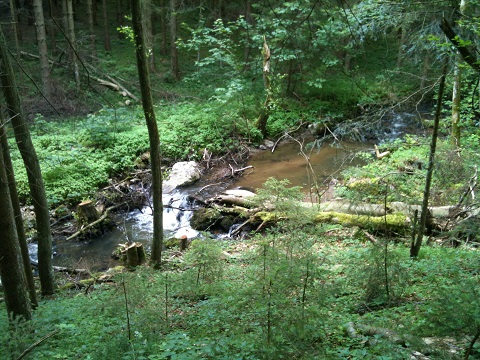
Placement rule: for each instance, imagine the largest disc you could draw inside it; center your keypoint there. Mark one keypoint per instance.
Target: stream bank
(295, 160)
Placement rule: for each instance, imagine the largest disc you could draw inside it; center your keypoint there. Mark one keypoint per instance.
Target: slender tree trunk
(249, 21)
(42, 48)
(120, 19)
(30, 16)
(457, 88)
(173, 40)
(34, 174)
(265, 114)
(456, 99)
(91, 29)
(401, 44)
(11, 267)
(22, 238)
(425, 70)
(417, 244)
(147, 19)
(163, 28)
(155, 156)
(15, 28)
(108, 45)
(69, 26)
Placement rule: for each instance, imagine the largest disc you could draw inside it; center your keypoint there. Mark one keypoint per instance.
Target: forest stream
(287, 161)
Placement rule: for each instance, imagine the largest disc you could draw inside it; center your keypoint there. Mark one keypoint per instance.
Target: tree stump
(134, 254)
(183, 243)
(86, 213)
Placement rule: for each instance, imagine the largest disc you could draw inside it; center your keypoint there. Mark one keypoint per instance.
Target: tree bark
(11, 268)
(91, 29)
(155, 156)
(32, 165)
(417, 244)
(42, 48)
(465, 53)
(148, 20)
(263, 118)
(15, 28)
(456, 99)
(163, 27)
(173, 39)
(17, 213)
(69, 25)
(108, 45)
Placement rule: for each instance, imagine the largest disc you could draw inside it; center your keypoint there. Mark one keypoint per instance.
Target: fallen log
(344, 206)
(237, 197)
(397, 222)
(111, 83)
(34, 264)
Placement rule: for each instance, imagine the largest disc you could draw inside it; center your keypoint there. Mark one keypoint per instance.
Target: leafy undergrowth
(79, 156)
(299, 291)
(401, 175)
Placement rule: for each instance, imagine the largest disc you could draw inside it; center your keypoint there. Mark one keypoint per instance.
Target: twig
(286, 134)
(370, 237)
(244, 168)
(35, 344)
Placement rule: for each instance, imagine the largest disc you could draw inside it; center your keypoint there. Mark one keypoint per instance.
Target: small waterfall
(395, 125)
(136, 225)
(176, 215)
(176, 218)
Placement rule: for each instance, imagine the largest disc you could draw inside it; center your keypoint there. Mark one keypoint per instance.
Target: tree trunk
(263, 118)
(22, 238)
(249, 21)
(425, 70)
(401, 44)
(417, 244)
(457, 88)
(163, 28)
(148, 21)
(120, 19)
(86, 213)
(34, 174)
(155, 157)
(11, 269)
(42, 48)
(15, 28)
(108, 45)
(91, 29)
(456, 98)
(69, 25)
(173, 39)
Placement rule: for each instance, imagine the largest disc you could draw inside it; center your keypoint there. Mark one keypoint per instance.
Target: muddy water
(302, 167)
(286, 162)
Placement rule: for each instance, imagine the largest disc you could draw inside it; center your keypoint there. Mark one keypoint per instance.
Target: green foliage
(79, 156)
(284, 294)
(401, 175)
(383, 277)
(204, 257)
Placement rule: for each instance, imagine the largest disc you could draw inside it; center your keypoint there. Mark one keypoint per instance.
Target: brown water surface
(288, 162)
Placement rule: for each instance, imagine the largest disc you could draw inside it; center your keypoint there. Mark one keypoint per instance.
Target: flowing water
(289, 161)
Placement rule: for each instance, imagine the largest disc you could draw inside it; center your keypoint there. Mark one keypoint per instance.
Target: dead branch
(36, 343)
(103, 217)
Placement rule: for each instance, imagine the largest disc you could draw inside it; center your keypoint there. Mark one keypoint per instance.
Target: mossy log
(396, 222)
(344, 206)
